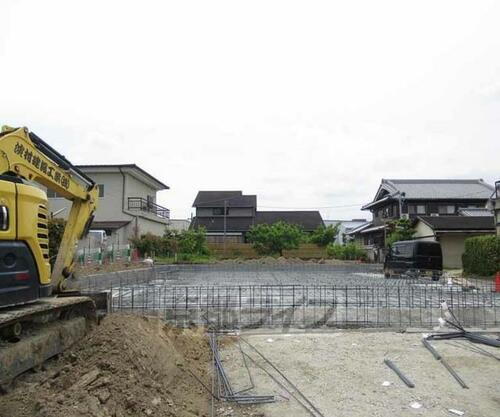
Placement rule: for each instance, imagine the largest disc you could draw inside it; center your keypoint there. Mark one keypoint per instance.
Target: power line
(312, 208)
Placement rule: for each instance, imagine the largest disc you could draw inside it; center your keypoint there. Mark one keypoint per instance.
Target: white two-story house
(127, 202)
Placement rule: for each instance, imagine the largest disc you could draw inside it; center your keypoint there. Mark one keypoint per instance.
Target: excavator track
(48, 327)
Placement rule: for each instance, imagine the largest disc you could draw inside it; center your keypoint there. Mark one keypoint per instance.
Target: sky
(308, 104)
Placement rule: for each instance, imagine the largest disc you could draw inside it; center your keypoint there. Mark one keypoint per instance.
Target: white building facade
(127, 202)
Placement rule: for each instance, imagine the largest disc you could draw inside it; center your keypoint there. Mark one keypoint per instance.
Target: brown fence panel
(306, 251)
(246, 251)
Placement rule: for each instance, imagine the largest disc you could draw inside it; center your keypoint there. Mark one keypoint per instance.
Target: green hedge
(350, 251)
(482, 255)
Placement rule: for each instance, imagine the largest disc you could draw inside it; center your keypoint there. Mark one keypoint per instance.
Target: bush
(149, 245)
(56, 231)
(350, 251)
(482, 255)
(187, 242)
(193, 242)
(323, 236)
(272, 239)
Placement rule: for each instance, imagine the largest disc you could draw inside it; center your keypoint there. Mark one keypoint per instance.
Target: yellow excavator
(38, 301)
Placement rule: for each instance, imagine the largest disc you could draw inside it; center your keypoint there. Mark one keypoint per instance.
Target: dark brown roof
(109, 225)
(459, 222)
(132, 166)
(217, 198)
(308, 220)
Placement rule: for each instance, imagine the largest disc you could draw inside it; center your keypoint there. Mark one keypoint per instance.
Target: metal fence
(412, 304)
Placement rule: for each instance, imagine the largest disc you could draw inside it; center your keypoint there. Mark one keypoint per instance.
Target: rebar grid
(304, 296)
(236, 307)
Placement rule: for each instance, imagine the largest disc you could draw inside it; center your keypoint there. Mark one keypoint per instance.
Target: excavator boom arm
(25, 155)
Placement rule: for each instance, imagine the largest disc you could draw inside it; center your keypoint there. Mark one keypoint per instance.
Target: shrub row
(350, 251)
(187, 242)
(482, 255)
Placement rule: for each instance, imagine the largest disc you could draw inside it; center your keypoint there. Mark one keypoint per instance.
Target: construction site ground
(138, 366)
(343, 374)
(127, 366)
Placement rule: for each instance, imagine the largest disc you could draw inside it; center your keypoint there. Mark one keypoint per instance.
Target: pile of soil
(127, 366)
(269, 260)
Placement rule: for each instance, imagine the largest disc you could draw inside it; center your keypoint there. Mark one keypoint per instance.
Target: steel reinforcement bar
(253, 306)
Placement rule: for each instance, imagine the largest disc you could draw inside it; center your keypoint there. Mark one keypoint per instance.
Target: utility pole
(225, 205)
(401, 196)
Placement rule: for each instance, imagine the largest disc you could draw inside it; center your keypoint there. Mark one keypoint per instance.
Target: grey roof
(308, 220)
(475, 212)
(454, 223)
(217, 199)
(438, 189)
(348, 224)
(89, 168)
(359, 228)
(443, 189)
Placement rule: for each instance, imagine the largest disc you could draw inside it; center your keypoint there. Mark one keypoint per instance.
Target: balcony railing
(141, 204)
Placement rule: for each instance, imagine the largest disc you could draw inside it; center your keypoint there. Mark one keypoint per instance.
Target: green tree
(271, 239)
(56, 231)
(323, 236)
(401, 229)
(193, 242)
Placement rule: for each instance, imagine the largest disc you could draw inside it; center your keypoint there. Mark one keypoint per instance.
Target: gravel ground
(293, 274)
(343, 374)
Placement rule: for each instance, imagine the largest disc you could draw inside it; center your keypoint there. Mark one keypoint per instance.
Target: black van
(414, 258)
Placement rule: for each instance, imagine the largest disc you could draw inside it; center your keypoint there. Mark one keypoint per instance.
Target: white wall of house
(109, 206)
(179, 224)
(452, 244)
(136, 188)
(113, 206)
(424, 232)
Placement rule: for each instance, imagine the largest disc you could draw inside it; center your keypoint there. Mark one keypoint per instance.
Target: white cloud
(307, 104)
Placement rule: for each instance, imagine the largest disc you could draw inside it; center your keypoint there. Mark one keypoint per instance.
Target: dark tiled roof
(308, 220)
(439, 188)
(459, 222)
(216, 224)
(217, 198)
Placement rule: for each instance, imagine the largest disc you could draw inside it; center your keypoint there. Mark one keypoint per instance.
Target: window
(417, 209)
(446, 209)
(421, 209)
(403, 250)
(101, 190)
(219, 211)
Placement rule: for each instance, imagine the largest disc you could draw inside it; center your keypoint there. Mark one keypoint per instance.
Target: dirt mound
(128, 366)
(269, 260)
